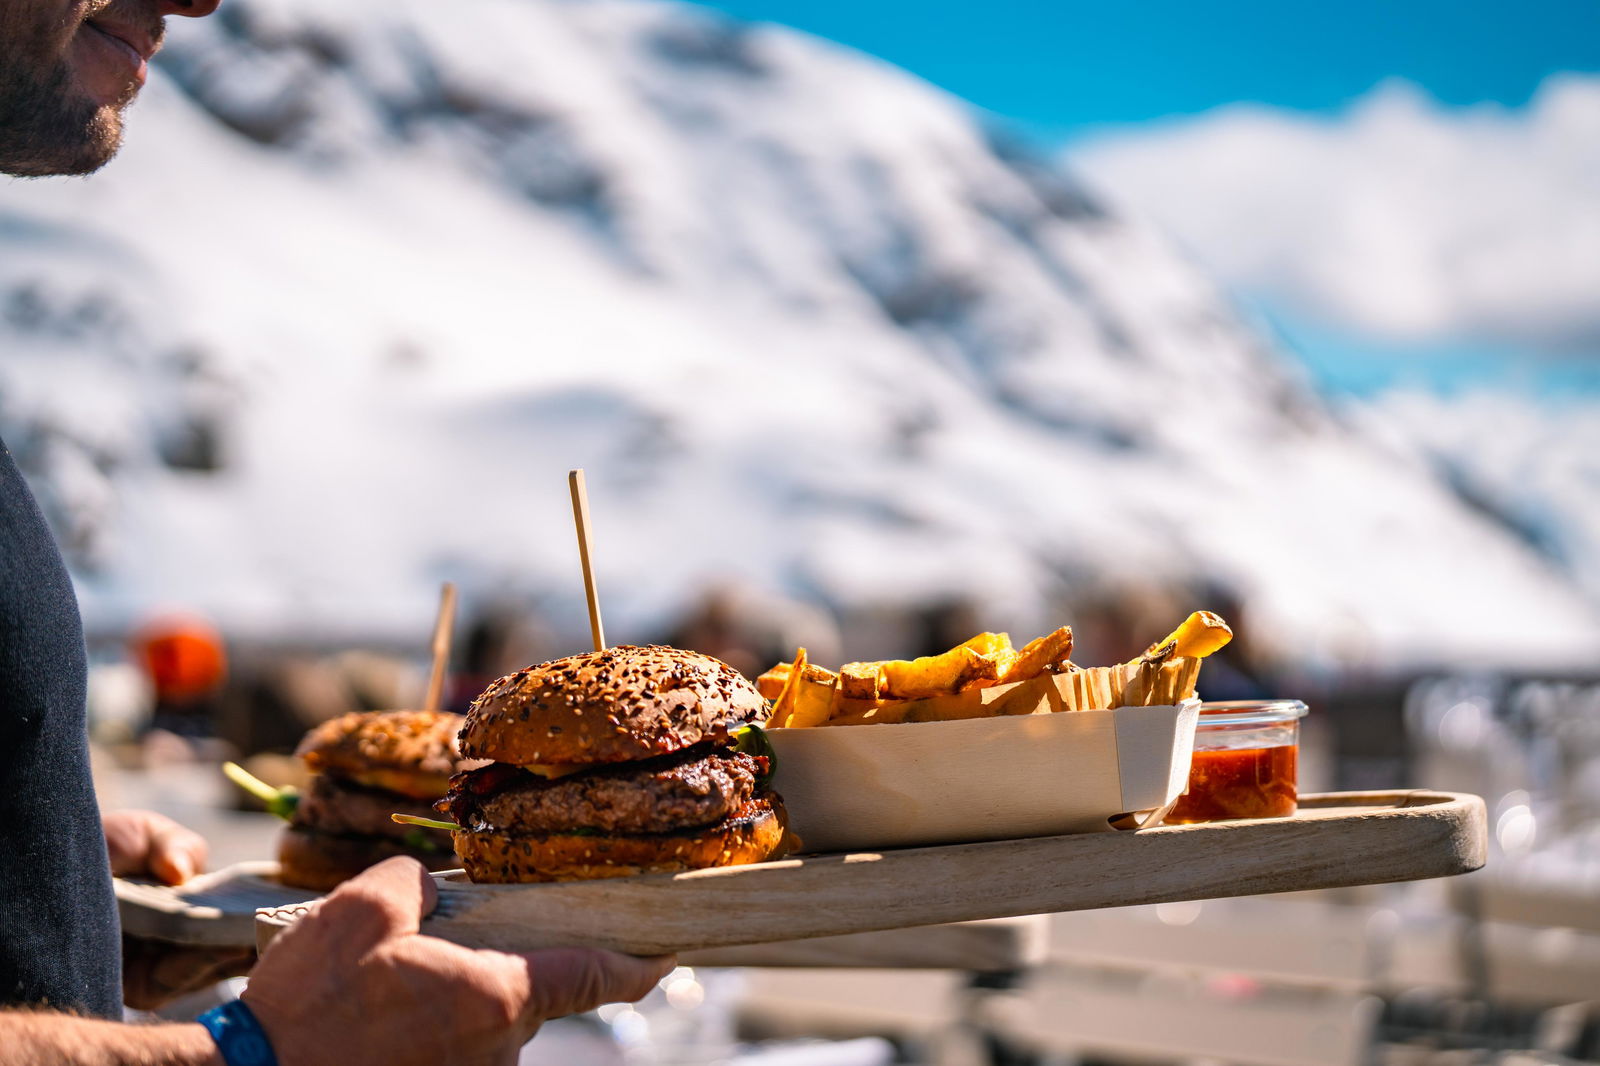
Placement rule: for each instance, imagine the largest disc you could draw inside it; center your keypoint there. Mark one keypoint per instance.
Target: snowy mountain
(1533, 464)
(370, 277)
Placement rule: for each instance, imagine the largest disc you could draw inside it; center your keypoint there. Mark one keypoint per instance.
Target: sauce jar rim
(1250, 712)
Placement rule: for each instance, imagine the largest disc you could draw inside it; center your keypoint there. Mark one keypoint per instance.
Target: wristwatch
(239, 1036)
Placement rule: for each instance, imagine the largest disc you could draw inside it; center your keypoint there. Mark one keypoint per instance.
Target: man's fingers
(176, 854)
(572, 980)
(385, 901)
(146, 844)
(128, 842)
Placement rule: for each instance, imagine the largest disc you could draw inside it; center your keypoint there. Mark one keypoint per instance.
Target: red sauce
(1239, 783)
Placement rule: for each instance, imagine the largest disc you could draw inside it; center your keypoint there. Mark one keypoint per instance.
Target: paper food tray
(860, 787)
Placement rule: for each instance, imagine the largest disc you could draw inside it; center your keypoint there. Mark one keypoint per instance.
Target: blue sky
(1061, 68)
(1074, 74)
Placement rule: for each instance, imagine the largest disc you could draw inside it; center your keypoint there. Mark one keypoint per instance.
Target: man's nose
(188, 8)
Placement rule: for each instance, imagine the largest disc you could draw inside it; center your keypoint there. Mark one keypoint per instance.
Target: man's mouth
(139, 43)
(111, 57)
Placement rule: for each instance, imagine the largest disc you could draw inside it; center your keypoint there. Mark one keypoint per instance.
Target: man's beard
(48, 126)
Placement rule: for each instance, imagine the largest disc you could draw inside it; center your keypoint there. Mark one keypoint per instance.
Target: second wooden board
(215, 910)
(1337, 839)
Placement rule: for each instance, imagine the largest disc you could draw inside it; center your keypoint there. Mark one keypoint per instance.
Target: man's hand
(147, 844)
(156, 973)
(354, 982)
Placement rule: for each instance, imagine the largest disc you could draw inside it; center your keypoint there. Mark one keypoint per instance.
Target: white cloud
(1400, 217)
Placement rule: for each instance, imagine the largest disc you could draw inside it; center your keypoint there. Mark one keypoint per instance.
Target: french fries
(1039, 655)
(990, 644)
(869, 712)
(987, 676)
(771, 683)
(813, 697)
(996, 646)
(783, 705)
(860, 681)
(1200, 634)
(935, 675)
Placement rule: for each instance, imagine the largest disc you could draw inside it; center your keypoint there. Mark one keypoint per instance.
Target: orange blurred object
(184, 658)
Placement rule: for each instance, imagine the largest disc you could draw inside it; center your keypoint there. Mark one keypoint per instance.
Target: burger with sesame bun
(366, 766)
(616, 762)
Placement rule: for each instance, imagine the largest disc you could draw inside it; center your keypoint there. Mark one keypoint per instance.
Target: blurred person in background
(1113, 623)
(714, 627)
(1236, 671)
(272, 697)
(941, 626)
(501, 638)
(750, 630)
(331, 989)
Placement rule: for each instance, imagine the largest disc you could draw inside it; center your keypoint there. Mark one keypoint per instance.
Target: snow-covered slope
(1534, 464)
(369, 277)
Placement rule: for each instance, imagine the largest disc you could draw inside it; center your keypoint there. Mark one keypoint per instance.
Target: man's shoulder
(30, 562)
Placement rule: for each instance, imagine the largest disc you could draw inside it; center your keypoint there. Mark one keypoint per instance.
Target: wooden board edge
(994, 945)
(151, 911)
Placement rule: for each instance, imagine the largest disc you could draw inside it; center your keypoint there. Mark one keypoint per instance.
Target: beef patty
(333, 805)
(690, 789)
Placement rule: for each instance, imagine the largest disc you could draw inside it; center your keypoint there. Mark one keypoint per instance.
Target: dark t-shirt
(59, 944)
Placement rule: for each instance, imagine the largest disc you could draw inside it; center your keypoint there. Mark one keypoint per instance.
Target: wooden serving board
(1337, 839)
(219, 910)
(216, 910)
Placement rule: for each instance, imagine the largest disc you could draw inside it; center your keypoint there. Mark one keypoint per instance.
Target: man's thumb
(383, 902)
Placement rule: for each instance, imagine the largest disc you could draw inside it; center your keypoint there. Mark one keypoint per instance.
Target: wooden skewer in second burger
(621, 761)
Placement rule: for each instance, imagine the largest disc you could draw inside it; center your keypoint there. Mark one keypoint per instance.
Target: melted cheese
(553, 770)
(408, 783)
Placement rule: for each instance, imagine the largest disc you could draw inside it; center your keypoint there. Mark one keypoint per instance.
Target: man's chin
(102, 139)
(76, 141)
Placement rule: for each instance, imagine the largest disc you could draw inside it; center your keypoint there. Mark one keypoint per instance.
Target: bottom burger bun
(756, 834)
(311, 859)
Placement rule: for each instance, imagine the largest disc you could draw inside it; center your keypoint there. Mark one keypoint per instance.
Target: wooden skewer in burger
(619, 761)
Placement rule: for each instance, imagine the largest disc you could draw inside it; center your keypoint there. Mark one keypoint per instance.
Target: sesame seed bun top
(413, 752)
(616, 705)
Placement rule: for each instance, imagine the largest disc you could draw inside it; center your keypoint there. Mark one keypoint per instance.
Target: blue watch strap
(239, 1036)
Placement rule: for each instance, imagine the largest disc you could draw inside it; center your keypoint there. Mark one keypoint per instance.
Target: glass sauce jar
(1246, 754)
